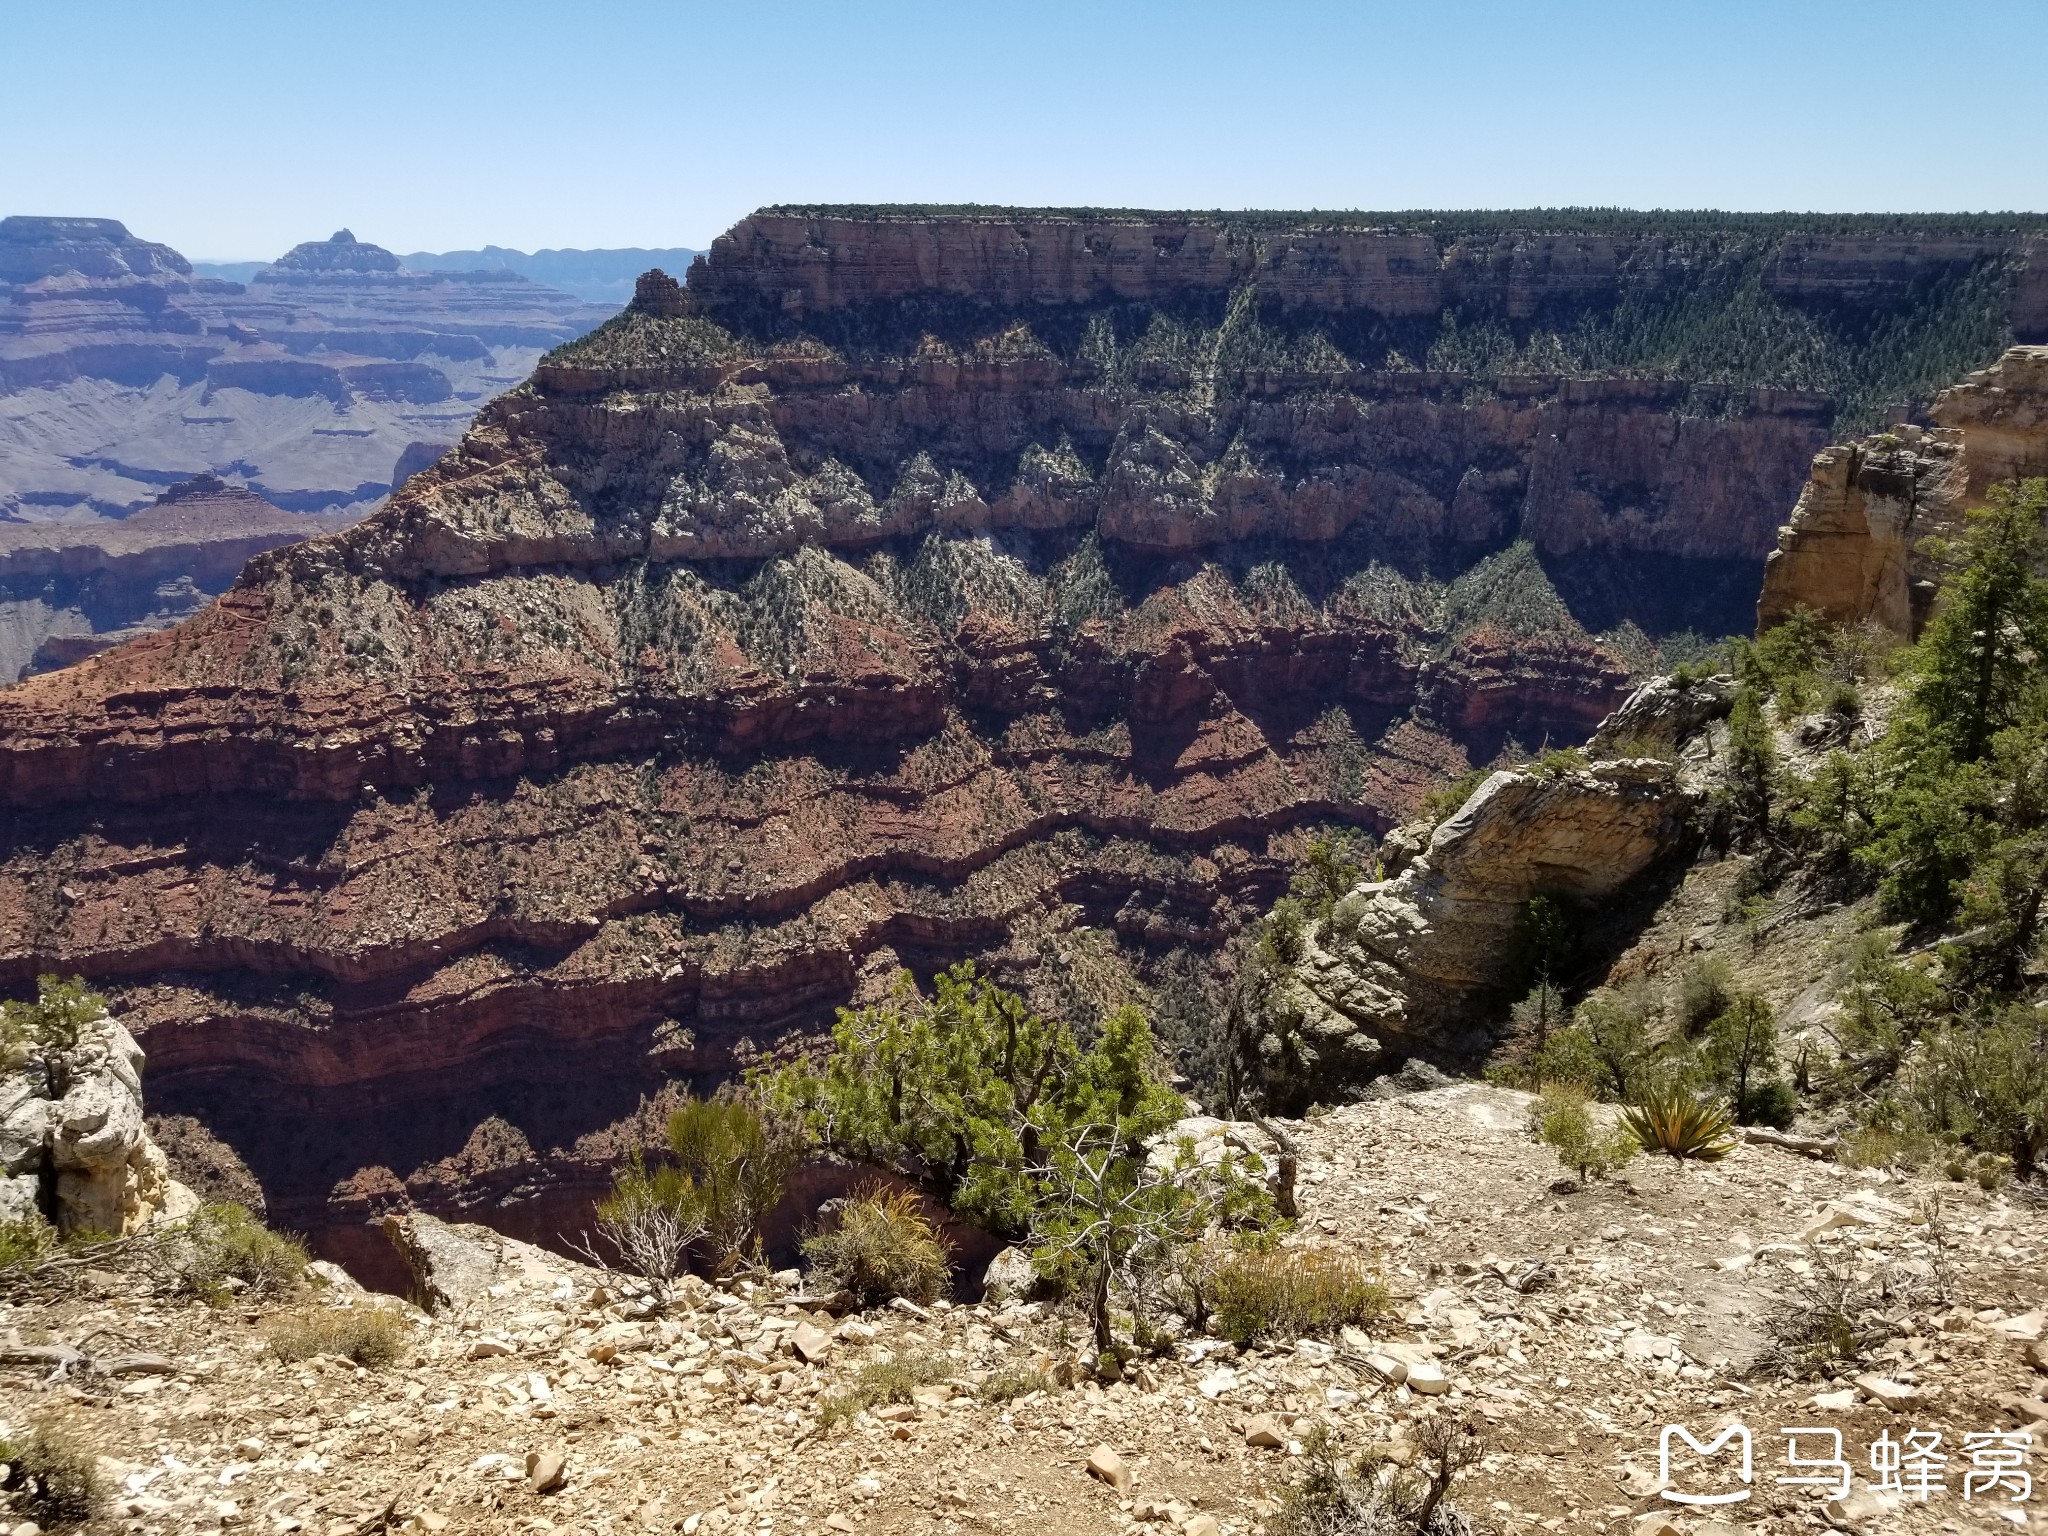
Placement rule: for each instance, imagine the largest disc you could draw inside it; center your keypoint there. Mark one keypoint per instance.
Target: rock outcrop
(1852, 550)
(1664, 713)
(1404, 966)
(453, 1264)
(73, 1147)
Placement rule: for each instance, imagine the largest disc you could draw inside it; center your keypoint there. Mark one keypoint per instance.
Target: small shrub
(1283, 932)
(1671, 1119)
(1440, 805)
(1843, 700)
(25, 1243)
(1986, 1086)
(1568, 1058)
(1288, 1292)
(1705, 991)
(1620, 1028)
(1641, 747)
(883, 1381)
(1886, 1146)
(1988, 1169)
(1332, 865)
(1370, 1497)
(740, 1162)
(1832, 1320)
(369, 1336)
(1565, 1123)
(222, 1249)
(882, 1246)
(650, 1219)
(1559, 761)
(55, 1481)
(1740, 1057)
(1013, 1382)
(1774, 1104)
(48, 1030)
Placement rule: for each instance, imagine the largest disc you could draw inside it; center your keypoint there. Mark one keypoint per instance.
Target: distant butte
(122, 372)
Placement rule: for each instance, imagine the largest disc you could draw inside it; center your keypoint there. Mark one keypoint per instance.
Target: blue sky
(233, 130)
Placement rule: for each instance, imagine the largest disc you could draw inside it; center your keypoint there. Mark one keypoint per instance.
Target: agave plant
(1678, 1123)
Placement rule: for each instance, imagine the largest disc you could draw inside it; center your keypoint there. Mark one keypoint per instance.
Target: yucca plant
(1672, 1120)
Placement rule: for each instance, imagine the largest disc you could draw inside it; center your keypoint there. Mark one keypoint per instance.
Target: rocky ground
(1572, 1324)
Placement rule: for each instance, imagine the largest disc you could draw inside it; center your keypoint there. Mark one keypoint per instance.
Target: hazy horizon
(657, 125)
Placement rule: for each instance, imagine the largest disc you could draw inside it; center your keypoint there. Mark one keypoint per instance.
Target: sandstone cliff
(1851, 552)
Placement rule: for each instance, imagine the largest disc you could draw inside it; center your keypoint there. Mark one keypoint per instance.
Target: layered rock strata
(754, 650)
(1852, 553)
(123, 371)
(69, 591)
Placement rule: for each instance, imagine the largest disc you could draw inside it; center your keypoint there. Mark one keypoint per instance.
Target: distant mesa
(70, 590)
(294, 394)
(339, 252)
(35, 248)
(204, 487)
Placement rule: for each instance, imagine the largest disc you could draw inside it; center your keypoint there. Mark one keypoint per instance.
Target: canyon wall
(312, 388)
(760, 645)
(68, 592)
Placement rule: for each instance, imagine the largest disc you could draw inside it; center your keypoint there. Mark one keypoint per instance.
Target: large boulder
(1664, 712)
(455, 1263)
(72, 1142)
(1405, 966)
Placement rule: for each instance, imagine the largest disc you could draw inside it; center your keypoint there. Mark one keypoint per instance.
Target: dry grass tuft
(1289, 1292)
(53, 1480)
(883, 1246)
(883, 1381)
(369, 1336)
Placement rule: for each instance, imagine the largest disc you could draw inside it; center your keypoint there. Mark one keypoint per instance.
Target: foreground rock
(1401, 964)
(73, 1147)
